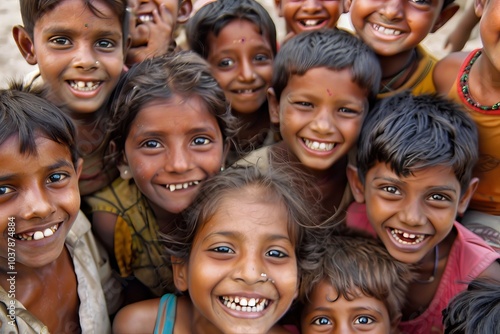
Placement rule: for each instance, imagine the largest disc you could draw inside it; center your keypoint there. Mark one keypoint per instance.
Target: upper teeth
(315, 145)
(244, 304)
(84, 86)
(416, 238)
(386, 31)
(37, 235)
(145, 18)
(244, 91)
(174, 187)
(311, 22)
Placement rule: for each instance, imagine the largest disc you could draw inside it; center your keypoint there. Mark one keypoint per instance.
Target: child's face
(303, 15)
(80, 55)
(172, 146)
(391, 27)
(243, 255)
(329, 312)
(39, 198)
(489, 11)
(241, 60)
(413, 214)
(320, 115)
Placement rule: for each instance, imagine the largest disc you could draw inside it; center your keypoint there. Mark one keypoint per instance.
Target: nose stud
(267, 279)
(97, 63)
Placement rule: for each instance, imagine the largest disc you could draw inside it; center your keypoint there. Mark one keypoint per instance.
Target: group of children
(249, 185)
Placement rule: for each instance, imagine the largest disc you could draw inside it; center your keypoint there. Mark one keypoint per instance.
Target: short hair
(282, 183)
(411, 133)
(475, 310)
(214, 16)
(355, 263)
(26, 115)
(183, 74)
(330, 48)
(33, 10)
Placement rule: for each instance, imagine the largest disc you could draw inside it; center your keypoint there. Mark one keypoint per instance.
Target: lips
(386, 31)
(179, 186)
(37, 235)
(142, 18)
(407, 238)
(311, 22)
(84, 86)
(319, 146)
(244, 304)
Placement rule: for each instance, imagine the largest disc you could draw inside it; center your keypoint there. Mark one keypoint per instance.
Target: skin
(329, 312)
(322, 112)
(153, 23)
(304, 15)
(393, 28)
(39, 192)
(247, 236)
(72, 45)
(241, 60)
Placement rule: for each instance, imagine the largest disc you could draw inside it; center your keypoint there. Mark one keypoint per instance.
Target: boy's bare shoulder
(446, 71)
(137, 317)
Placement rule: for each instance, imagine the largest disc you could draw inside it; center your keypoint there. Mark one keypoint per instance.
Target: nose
(392, 10)
(311, 6)
(37, 204)
(251, 269)
(323, 123)
(412, 213)
(178, 159)
(247, 72)
(85, 59)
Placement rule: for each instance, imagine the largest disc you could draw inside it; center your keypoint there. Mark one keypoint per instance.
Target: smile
(37, 235)
(179, 186)
(244, 304)
(311, 23)
(386, 31)
(407, 238)
(318, 146)
(246, 91)
(144, 18)
(84, 86)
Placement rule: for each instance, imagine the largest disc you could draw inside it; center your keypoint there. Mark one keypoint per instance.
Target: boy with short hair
(48, 252)
(355, 286)
(414, 174)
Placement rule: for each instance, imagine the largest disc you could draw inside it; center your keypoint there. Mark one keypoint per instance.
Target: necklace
(464, 84)
(388, 86)
(434, 271)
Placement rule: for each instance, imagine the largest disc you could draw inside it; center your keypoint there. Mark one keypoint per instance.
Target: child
(323, 85)
(152, 28)
(475, 310)
(457, 38)
(356, 286)
(470, 79)
(415, 160)
(309, 15)
(49, 278)
(170, 130)
(395, 29)
(238, 39)
(79, 46)
(237, 256)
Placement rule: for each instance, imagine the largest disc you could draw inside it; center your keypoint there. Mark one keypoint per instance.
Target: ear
(274, 106)
(479, 7)
(347, 5)
(185, 10)
(123, 167)
(446, 14)
(279, 10)
(357, 187)
(179, 272)
(465, 199)
(25, 44)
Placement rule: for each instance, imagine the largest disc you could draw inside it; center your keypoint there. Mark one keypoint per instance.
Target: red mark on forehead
(328, 91)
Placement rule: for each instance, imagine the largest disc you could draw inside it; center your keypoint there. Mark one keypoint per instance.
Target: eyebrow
(240, 235)
(434, 188)
(58, 164)
(57, 30)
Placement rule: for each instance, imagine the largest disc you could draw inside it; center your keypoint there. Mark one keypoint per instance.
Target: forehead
(81, 10)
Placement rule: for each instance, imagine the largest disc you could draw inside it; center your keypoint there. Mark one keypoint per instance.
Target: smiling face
(241, 60)
(171, 147)
(413, 214)
(242, 271)
(38, 197)
(328, 312)
(80, 55)
(306, 15)
(320, 121)
(391, 27)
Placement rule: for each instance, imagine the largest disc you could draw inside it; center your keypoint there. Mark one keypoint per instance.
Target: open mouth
(84, 86)
(311, 23)
(244, 304)
(37, 235)
(386, 31)
(406, 238)
(318, 146)
(143, 18)
(179, 186)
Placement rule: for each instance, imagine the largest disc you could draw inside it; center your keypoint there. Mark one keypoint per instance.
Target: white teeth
(317, 146)
(145, 18)
(37, 235)
(416, 239)
(245, 305)
(245, 91)
(178, 186)
(386, 31)
(84, 86)
(311, 23)
(48, 232)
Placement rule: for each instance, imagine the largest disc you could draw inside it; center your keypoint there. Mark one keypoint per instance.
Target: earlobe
(446, 14)
(25, 44)
(347, 5)
(179, 272)
(274, 106)
(355, 183)
(185, 10)
(277, 6)
(466, 197)
(479, 7)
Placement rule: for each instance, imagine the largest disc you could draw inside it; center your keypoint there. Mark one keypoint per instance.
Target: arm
(492, 272)
(446, 71)
(103, 225)
(460, 35)
(137, 318)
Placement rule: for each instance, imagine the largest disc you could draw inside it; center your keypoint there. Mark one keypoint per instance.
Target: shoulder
(137, 318)
(446, 71)
(259, 158)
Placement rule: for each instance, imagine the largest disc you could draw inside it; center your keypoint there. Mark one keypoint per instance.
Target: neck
(397, 69)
